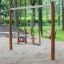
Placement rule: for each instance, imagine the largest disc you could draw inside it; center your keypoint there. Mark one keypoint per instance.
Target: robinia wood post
(18, 35)
(25, 26)
(25, 30)
(52, 31)
(10, 29)
(39, 35)
(33, 39)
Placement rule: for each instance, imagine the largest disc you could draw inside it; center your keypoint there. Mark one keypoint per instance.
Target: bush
(7, 21)
(49, 21)
(21, 21)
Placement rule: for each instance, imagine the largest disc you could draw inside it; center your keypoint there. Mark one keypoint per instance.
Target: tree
(15, 13)
(33, 12)
(59, 13)
(40, 17)
(63, 15)
(47, 17)
(0, 10)
(3, 11)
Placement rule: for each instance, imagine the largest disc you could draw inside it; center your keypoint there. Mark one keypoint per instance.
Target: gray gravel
(30, 54)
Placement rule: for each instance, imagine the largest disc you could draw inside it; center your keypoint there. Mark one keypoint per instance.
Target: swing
(21, 39)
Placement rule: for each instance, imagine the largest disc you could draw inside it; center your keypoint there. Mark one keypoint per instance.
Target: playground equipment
(21, 39)
(52, 26)
(22, 36)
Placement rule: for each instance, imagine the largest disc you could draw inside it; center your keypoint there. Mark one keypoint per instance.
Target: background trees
(15, 13)
(59, 13)
(3, 11)
(63, 15)
(59, 10)
(40, 16)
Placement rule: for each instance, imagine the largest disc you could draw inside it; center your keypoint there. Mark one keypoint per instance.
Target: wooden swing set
(52, 27)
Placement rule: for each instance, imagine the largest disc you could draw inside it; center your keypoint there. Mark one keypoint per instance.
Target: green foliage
(3, 9)
(59, 32)
(32, 2)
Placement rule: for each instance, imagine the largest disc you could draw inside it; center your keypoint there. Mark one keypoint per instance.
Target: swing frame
(52, 26)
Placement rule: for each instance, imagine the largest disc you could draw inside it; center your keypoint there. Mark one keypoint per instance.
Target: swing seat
(21, 39)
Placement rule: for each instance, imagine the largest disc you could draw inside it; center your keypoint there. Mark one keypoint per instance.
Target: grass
(59, 32)
(60, 35)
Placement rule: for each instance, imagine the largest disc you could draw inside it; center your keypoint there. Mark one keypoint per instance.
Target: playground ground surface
(30, 54)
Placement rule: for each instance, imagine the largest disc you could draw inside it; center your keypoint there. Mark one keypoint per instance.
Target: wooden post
(25, 32)
(32, 35)
(39, 38)
(39, 33)
(10, 30)
(32, 38)
(53, 31)
(18, 35)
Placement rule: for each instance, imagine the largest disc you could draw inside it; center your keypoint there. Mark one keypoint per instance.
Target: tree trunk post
(53, 31)
(25, 26)
(40, 21)
(18, 35)
(10, 30)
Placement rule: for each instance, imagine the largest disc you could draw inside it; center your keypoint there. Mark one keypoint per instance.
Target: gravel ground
(30, 54)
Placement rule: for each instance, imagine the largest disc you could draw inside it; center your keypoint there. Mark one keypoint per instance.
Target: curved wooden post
(53, 31)
(25, 31)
